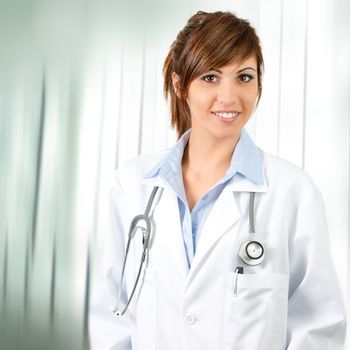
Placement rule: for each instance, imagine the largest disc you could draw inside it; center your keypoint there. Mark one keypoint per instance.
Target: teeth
(226, 115)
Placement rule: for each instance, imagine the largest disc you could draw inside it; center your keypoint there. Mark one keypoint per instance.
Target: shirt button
(190, 319)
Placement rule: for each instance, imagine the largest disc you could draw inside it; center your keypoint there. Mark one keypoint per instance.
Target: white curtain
(81, 93)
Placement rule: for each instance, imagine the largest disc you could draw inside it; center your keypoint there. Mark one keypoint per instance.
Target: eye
(210, 78)
(245, 78)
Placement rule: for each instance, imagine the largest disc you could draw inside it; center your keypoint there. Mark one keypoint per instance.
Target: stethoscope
(251, 252)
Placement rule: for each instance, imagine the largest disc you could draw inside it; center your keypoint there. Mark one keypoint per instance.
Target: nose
(227, 93)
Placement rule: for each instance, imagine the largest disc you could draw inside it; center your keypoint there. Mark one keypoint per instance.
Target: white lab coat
(291, 301)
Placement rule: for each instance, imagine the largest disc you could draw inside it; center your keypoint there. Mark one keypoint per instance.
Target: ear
(176, 84)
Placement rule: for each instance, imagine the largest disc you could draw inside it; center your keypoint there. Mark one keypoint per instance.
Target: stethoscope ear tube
(146, 234)
(121, 313)
(146, 231)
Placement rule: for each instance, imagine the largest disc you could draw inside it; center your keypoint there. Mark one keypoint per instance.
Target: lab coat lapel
(221, 220)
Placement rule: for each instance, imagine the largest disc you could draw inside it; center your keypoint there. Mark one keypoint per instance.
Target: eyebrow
(240, 71)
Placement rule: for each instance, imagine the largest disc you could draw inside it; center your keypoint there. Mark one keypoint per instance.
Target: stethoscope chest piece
(252, 253)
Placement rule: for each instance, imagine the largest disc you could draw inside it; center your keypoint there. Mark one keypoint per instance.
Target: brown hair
(209, 40)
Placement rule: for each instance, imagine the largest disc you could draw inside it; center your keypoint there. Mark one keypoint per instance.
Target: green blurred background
(81, 92)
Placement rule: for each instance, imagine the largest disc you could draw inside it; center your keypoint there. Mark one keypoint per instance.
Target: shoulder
(283, 173)
(135, 170)
(291, 190)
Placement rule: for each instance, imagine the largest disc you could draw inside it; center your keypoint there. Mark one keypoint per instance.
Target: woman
(238, 253)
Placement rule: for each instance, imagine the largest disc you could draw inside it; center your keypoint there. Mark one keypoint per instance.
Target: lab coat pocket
(255, 312)
(145, 312)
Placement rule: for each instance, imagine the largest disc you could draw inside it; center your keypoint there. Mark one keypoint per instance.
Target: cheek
(251, 98)
(202, 99)
(252, 101)
(198, 101)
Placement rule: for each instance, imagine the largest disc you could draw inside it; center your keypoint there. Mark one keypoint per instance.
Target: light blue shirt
(246, 161)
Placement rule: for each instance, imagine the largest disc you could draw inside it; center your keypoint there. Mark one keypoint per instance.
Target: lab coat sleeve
(316, 311)
(106, 330)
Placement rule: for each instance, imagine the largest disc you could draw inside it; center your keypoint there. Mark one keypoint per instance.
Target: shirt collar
(246, 160)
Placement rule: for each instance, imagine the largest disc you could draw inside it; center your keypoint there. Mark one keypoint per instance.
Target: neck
(207, 156)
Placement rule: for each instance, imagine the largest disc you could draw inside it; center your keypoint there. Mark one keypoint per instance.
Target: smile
(226, 115)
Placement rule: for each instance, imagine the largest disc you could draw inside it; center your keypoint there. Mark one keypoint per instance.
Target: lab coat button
(190, 319)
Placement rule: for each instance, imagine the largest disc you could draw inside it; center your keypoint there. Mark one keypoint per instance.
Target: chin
(227, 134)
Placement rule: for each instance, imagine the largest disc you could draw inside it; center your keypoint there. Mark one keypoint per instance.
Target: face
(222, 99)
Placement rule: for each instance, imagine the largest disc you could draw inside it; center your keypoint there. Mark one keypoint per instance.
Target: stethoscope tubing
(251, 213)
